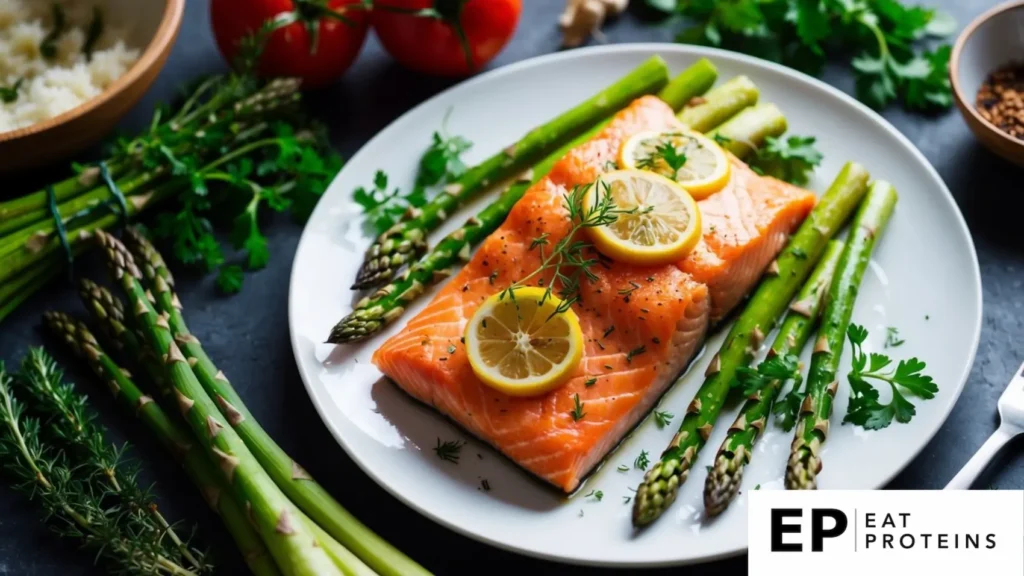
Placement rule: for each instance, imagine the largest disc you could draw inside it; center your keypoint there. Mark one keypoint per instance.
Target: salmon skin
(641, 325)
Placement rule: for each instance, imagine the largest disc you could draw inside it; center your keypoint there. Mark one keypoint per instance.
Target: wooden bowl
(992, 40)
(155, 25)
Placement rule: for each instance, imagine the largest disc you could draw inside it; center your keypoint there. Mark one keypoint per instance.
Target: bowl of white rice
(70, 69)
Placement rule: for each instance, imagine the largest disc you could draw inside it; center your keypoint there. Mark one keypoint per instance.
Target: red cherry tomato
(292, 49)
(431, 44)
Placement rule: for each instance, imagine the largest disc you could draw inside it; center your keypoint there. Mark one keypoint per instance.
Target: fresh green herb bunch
(74, 493)
(884, 36)
(234, 145)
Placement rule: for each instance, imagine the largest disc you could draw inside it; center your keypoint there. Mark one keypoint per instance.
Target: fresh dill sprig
(570, 259)
(449, 451)
(892, 337)
(662, 419)
(595, 494)
(93, 33)
(9, 94)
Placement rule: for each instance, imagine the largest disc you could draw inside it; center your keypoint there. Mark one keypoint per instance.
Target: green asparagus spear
(286, 473)
(171, 434)
(718, 105)
(661, 482)
(726, 475)
(374, 312)
(822, 380)
(406, 241)
(288, 537)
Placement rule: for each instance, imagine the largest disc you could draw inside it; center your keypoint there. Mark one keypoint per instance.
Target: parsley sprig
(449, 450)
(885, 35)
(865, 408)
(441, 164)
(665, 158)
(779, 368)
(789, 159)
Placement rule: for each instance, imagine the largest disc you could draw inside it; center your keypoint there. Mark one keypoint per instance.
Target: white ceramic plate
(924, 280)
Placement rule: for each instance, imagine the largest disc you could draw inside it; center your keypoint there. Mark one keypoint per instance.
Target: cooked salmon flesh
(641, 325)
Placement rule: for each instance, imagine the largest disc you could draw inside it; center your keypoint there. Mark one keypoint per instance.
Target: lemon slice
(704, 171)
(523, 347)
(656, 222)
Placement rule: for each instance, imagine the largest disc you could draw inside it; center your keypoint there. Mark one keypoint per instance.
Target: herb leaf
(449, 451)
(865, 408)
(789, 159)
(577, 411)
(642, 461)
(662, 419)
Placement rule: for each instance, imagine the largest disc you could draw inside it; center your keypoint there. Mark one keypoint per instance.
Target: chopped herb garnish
(662, 419)
(623, 468)
(798, 253)
(721, 139)
(610, 166)
(492, 277)
(642, 461)
(609, 367)
(577, 411)
(596, 494)
(590, 382)
(93, 33)
(656, 340)
(449, 451)
(609, 330)
(451, 348)
(627, 292)
(9, 94)
(635, 352)
(48, 47)
(626, 499)
(892, 337)
(485, 485)
(758, 487)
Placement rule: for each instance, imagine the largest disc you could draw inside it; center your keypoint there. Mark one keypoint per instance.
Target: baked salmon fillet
(635, 344)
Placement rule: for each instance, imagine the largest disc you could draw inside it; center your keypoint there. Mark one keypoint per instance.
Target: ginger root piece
(583, 18)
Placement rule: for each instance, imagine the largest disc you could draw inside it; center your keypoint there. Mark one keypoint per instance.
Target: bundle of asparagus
(234, 141)
(661, 482)
(747, 128)
(290, 524)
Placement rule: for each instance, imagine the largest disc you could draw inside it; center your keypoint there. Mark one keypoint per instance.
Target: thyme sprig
(70, 424)
(77, 505)
(571, 259)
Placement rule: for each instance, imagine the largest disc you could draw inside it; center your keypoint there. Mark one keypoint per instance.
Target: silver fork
(1011, 423)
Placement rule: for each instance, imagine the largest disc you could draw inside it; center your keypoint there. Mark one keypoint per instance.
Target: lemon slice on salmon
(652, 220)
(520, 343)
(694, 160)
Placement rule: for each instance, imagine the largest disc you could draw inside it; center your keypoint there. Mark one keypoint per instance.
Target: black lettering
(779, 528)
(925, 537)
(991, 539)
(869, 539)
(869, 520)
(818, 531)
(903, 541)
(943, 541)
(904, 515)
(973, 540)
(888, 522)
(886, 540)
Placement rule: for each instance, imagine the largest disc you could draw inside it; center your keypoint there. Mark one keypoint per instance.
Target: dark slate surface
(248, 334)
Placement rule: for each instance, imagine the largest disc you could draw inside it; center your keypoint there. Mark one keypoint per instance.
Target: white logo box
(909, 533)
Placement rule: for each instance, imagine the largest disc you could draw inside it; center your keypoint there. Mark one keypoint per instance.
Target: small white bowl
(991, 41)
